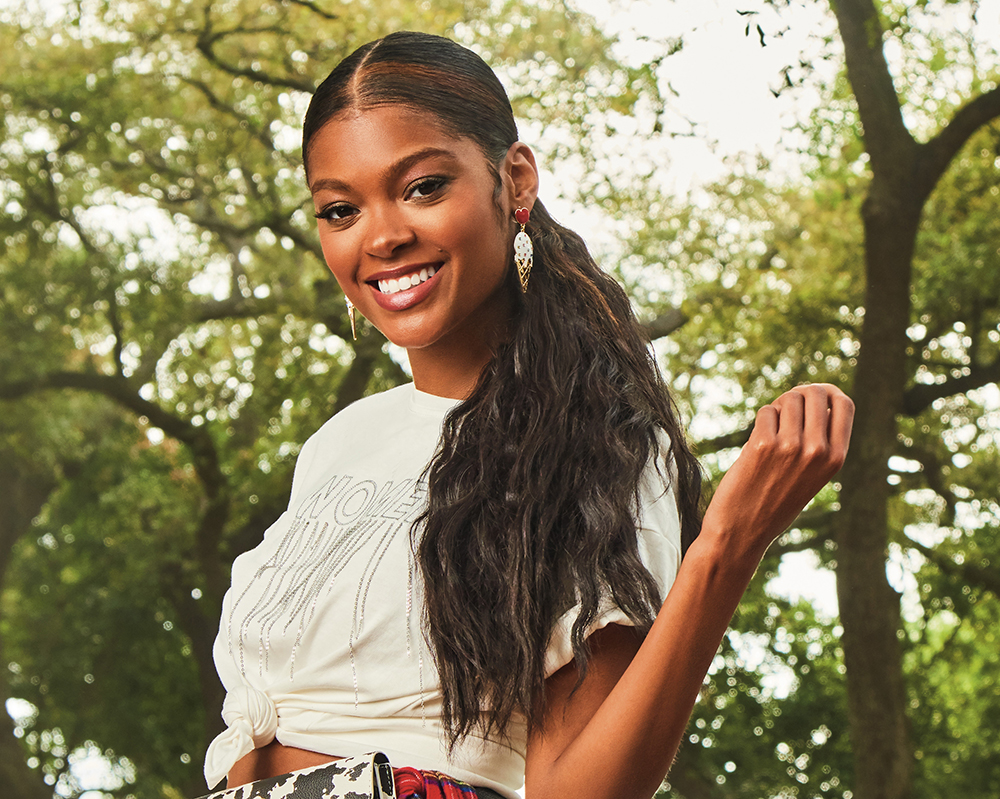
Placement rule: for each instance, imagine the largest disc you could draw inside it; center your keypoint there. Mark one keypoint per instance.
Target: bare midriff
(272, 760)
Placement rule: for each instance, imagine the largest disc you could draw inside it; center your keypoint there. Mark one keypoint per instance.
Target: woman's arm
(617, 735)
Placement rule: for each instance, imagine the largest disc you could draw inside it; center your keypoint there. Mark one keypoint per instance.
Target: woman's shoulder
(400, 425)
(373, 404)
(353, 423)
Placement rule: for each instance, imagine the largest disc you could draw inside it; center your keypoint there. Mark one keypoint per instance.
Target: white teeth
(406, 281)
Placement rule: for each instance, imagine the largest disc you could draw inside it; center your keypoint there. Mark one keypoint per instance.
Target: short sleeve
(659, 532)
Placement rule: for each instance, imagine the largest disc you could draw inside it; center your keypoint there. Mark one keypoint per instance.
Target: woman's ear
(520, 176)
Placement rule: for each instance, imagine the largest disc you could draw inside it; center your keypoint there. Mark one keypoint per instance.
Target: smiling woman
(480, 574)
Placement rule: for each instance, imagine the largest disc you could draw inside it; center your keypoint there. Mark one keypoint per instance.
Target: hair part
(429, 74)
(533, 493)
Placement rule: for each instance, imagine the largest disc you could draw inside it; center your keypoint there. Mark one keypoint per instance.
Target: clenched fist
(799, 442)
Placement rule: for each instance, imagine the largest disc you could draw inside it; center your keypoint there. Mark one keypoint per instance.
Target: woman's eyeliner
(427, 188)
(328, 211)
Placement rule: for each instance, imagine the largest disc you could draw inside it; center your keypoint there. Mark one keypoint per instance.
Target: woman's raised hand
(798, 443)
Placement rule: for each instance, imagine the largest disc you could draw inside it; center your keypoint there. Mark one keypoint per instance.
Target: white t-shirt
(320, 643)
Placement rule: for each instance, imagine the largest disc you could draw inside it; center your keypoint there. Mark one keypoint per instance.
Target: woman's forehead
(371, 143)
(397, 123)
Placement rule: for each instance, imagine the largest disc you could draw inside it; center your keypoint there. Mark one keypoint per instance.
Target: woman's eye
(337, 212)
(425, 187)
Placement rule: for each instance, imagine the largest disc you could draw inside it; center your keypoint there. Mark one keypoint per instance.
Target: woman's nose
(388, 231)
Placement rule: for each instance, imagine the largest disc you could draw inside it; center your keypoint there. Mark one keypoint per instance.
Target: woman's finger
(791, 410)
(841, 423)
(766, 423)
(816, 424)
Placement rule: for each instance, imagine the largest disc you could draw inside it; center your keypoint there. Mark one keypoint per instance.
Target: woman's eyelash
(328, 212)
(427, 186)
(420, 189)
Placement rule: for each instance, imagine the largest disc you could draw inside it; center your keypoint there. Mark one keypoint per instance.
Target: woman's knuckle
(763, 445)
(816, 452)
(788, 448)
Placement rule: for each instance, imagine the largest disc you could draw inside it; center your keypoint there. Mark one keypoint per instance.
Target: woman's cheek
(335, 256)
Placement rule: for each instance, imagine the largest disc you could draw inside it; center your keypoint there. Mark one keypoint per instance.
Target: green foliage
(772, 718)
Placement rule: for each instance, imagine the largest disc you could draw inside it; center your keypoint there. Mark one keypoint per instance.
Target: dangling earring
(350, 315)
(523, 250)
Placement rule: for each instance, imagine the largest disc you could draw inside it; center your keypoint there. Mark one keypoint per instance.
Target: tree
(904, 172)
(912, 151)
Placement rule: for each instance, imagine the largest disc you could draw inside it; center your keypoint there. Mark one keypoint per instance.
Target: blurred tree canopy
(172, 336)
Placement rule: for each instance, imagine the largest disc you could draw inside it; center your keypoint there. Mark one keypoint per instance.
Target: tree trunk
(18, 781)
(869, 607)
(903, 175)
(24, 495)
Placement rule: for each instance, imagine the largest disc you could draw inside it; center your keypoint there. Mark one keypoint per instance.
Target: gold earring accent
(350, 315)
(524, 252)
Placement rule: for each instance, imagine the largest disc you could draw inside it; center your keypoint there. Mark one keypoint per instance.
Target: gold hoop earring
(350, 315)
(524, 251)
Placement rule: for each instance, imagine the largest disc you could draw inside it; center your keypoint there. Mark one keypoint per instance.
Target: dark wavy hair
(533, 493)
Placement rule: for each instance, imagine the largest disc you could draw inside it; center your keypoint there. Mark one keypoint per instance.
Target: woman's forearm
(626, 748)
(624, 741)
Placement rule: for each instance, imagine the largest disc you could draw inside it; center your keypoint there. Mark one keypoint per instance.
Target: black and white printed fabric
(364, 777)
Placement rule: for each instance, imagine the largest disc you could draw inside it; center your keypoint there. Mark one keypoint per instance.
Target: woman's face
(410, 227)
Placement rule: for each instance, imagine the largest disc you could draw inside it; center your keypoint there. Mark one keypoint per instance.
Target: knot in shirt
(252, 721)
(256, 710)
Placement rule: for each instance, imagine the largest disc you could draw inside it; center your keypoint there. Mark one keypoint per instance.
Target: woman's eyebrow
(391, 173)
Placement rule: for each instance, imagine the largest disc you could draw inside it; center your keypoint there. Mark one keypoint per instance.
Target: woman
(471, 573)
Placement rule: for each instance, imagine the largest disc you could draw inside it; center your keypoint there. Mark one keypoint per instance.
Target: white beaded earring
(524, 252)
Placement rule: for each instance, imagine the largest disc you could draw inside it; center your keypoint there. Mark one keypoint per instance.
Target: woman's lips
(407, 298)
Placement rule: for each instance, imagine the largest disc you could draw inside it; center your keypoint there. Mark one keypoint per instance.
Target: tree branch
(665, 324)
(737, 438)
(936, 154)
(315, 9)
(819, 520)
(367, 352)
(228, 110)
(885, 133)
(116, 329)
(986, 579)
(917, 398)
(204, 455)
(205, 44)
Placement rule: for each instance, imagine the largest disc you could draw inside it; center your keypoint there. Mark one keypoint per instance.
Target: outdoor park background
(170, 336)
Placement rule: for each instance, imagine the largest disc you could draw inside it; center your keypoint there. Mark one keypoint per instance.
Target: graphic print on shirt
(341, 519)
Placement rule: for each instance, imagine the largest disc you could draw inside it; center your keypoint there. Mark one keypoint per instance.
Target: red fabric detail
(412, 783)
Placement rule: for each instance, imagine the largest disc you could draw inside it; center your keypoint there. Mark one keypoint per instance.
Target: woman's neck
(451, 366)
(451, 374)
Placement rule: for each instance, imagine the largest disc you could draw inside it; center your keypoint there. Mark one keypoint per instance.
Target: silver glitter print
(344, 520)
